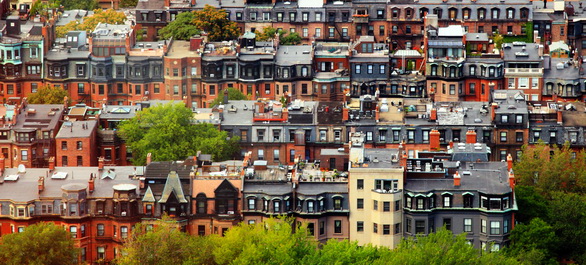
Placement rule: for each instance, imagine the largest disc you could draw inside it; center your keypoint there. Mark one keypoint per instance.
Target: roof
(316, 188)
(477, 152)
(559, 45)
(148, 195)
(407, 53)
(172, 186)
(268, 188)
(488, 178)
(114, 112)
(77, 129)
(150, 4)
(25, 189)
(46, 116)
(510, 101)
(180, 49)
(476, 37)
(520, 51)
(451, 31)
(293, 55)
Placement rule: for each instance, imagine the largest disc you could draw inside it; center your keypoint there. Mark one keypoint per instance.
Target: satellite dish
(21, 168)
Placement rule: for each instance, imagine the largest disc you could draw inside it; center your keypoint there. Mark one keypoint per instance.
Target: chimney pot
(457, 179)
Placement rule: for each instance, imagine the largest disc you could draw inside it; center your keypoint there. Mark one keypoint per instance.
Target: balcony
(360, 18)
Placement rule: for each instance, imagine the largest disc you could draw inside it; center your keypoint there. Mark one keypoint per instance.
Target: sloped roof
(148, 195)
(172, 185)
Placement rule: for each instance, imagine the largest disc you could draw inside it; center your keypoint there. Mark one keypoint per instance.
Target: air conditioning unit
(573, 141)
(123, 213)
(16, 57)
(100, 212)
(230, 212)
(158, 20)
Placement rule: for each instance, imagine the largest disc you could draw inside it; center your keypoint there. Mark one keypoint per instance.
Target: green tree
(42, 8)
(162, 243)
(567, 216)
(267, 33)
(39, 244)
(534, 242)
(290, 39)
(216, 24)
(532, 204)
(76, 4)
(441, 247)
(182, 28)
(498, 40)
(128, 3)
(233, 94)
(168, 133)
(47, 95)
(275, 241)
(345, 253)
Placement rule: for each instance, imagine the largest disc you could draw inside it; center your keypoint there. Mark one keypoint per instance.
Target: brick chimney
(41, 184)
(52, 163)
(433, 115)
(512, 179)
(457, 179)
(100, 163)
(560, 117)
(285, 114)
(345, 115)
(509, 162)
(494, 106)
(195, 43)
(149, 159)
(377, 114)
(91, 184)
(471, 137)
(2, 163)
(434, 140)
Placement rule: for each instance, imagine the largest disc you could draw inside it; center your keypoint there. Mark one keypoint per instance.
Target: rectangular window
(495, 227)
(447, 222)
(124, 232)
(73, 231)
(375, 205)
(386, 229)
(360, 226)
(360, 184)
(375, 228)
(408, 225)
(360, 203)
(483, 226)
(386, 206)
(337, 226)
(100, 229)
(24, 155)
(467, 224)
(419, 226)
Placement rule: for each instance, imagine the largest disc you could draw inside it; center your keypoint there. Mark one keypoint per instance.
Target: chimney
(560, 117)
(457, 179)
(377, 114)
(2, 163)
(433, 116)
(167, 3)
(149, 159)
(512, 179)
(195, 43)
(141, 182)
(91, 184)
(285, 115)
(509, 162)
(451, 144)
(494, 106)
(193, 2)
(52, 163)
(345, 115)
(434, 140)
(225, 97)
(471, 137)
(65, 103)
(100, 163)
(41, 184)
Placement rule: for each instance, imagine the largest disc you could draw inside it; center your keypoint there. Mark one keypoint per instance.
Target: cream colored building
(375, 192)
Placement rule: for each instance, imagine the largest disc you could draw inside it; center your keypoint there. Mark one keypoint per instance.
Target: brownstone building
(77, 144)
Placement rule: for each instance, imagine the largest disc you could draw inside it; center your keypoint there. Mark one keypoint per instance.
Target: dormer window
(447, 200)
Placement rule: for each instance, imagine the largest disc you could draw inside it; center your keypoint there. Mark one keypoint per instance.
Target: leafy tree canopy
(47, 95)
(168, 133)
(109, 16)
(269, 33)
(76, 4)
(233, 94)
(39, 244)
(182, 28)
(533, 242)
(290, 39)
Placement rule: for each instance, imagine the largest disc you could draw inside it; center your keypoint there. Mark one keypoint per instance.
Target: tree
(267, 33)
(275, 241)
(168, 133)
(39, 244)
(216, 24)
(233, 94)
(567, 216)
(162, 243)
(42, 8)
(498, 40)
(128, 3)
(76, 4)
(345, 252)
(532, 204)
(182, 28)
(441, 247)
(47, 95)
(290, 39)
(536, 239)
(109, 16)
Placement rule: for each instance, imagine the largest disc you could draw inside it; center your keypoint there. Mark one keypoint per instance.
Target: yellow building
(375, 192)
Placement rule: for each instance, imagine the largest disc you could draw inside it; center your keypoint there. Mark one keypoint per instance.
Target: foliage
(39, 244)
(216, 24)
(497, 40)
(168, 133)
(532, 204)
(551, 169)
(42, 8)
(182, 28)
(109, 16)
(567, 216)
(47, 95)
(139, 34)
(533, 242)
(267, 33)
(161, 244)
(292, 38)
(344, 252)
(233, 94)
(441, 247)
(76, 4)
(528, 37)
(128, 3)
(275, 241)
